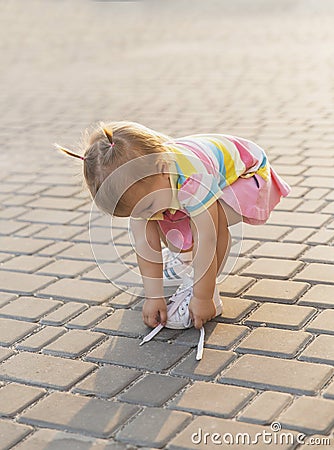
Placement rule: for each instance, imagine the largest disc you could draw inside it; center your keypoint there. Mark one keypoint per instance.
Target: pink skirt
(253, 198)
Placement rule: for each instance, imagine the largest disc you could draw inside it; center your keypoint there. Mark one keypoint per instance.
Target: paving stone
(276, 291)
(95, 417)
(265, 408)
(280, 250)
(80, 291)
(8, 227)
(153, 355)
(28, 284)
(44, 202)
(153, 390)
(14, 330)
(323, 323)
(63, 314)
(55, 249)
(309, 415)
(319, 253)
(320, 296)
(60, 440)
(247, 246)
(325, 182)
(289, 204)
(274, 342)
(154, 427)
(73, 343)
(16, 397)
(65, 268)
(312, 206)
(264, 232)
(53, 216)
(26, 263)
(28, 308)
(124, 323)
(65, 232)
(5, 298)
(5, 353)
(297, 219)
(12, 212)
(107, 271)
(234, 309)
(321, 237)
(44, 370)
(18, 245)
(11, 433)
(320, 350)
(107, 381)
(213, 432)
(281, 316)
(329, 391)
(234, 285)
(206, 398)
(37, 341)
(283, 375)
(89, 317)
(220, 336)
(319, 273)
(273, 268)
(211, 364)
(102, 253)
(316, 193)
(298, 235)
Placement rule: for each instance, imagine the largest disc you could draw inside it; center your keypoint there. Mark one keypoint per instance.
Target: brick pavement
(72, 374)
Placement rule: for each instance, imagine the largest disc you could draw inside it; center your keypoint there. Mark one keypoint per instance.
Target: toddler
(187, 193)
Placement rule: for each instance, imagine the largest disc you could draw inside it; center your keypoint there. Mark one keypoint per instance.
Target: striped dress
(207, 167)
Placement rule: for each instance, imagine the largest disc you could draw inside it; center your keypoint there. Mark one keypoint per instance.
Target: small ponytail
(108, 135)
(69, 152)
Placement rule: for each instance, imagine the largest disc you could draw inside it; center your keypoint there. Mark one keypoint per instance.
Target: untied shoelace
(155, 331)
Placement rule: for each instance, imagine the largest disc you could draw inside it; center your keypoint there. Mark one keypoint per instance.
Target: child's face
(155, 197)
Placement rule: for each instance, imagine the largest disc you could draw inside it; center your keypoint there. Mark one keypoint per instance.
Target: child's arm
(148, 251)
(205, 233)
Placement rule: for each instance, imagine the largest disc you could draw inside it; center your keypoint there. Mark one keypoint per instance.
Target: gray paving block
(220, 336)
(89, 318)
(28, 284)
(26, 246)
(73, 343)
(282, 291)
(65, 268)
(44, 370)
(26, 263)
(283, 375)
(309, 415)
(212, 399)
(265, 408)
(28, 308)
(323, 323)
(63, 314)
(5, 353)
(95, 417)
(153, 390)
(13, 330)
(319, 296)
(281, 316)
(47, 439)
(11, 433)
(38, 340)
(274, 342)
(90, 292)
(125, 351)
(212, 362)
(154, 427)
(234, 309)
(107, 381)
(16, 397)
(320, 350)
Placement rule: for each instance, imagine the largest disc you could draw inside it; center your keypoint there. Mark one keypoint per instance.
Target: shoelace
(155, 331)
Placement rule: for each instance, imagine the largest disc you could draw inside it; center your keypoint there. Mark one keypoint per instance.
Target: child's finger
(163, 317)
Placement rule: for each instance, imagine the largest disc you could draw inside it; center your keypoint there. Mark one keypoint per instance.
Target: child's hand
(154, 312)
(201, 311)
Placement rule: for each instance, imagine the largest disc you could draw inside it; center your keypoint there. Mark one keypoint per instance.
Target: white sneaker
(174, 269)
(178, 316)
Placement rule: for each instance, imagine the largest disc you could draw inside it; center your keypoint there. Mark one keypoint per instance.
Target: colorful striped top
(202, 165)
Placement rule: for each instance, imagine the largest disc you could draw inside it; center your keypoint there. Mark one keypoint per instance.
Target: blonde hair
(106, 148)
